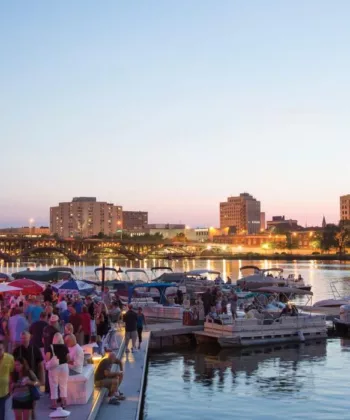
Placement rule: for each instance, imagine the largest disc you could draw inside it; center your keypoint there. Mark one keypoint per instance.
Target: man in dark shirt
(48, 294)
(36, 330)
(206, 298)
(130, 319)
(75, 320)
(31, 354)
(105, 378)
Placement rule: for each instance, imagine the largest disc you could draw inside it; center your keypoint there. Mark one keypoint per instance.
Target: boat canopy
(66, 269)
(45, 276)
(171, 278)
(250, 267)
(266, 270)
(161, 268)
(108, 269)
(200, 272)
(161, 287)
(284, 290)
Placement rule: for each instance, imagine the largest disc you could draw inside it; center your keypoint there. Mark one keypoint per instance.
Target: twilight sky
(170, 106)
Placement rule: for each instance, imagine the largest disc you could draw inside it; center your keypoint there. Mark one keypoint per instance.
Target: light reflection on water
(297, 382)
(318, 274)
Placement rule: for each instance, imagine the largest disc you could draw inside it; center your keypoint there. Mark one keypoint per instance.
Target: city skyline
(171, 107)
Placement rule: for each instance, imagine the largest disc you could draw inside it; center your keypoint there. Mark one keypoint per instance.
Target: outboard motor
(344, 313)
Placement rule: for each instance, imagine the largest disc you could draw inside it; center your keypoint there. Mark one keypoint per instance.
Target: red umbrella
(29, 287)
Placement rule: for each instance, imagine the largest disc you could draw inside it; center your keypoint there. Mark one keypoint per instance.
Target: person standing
(22, 381)
(33, 311)
(75, 320)
(233, 304)
(48, 294)
(86, 324)
(32, 355)
(6, 369)
(207, 300)
(48, 334)
(4, 327)
(17, 324)
(130, 319)
(37, 329)
(141, 321)
(58, 376)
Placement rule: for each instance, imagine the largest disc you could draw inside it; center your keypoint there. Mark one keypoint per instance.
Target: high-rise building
(241, 213)
(135, 220)
(345, 207)
(85, 217)
(262, 221)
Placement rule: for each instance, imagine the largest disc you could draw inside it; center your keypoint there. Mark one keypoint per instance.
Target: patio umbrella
(29, 287)
(5, 288)
(73, 287)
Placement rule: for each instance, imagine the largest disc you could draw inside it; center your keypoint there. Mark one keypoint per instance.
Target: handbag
(34, 393)
(53, 362)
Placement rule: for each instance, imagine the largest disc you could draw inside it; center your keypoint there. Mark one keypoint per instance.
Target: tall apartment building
(85, 217)
(345, 207)
(241, 213)
(135, 220)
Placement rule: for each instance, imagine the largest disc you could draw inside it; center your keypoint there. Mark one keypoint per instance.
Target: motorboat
(342, 322)
(110, 273)
(138, 275)
(265, 328)
(265, 278)
(332, 305)
(163, 308)
(197, 281)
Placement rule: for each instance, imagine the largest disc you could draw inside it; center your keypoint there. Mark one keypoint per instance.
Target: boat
(332, 306)
(265, 329)
(265, 278)
(342, 322)
(164, 309)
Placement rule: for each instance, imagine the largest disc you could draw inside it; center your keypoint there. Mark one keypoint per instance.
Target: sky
(171, 106)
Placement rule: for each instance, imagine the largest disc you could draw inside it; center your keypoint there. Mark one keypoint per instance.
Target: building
(241, 213)
(135, 220)
(85, 217)
(345, 207)
(262, 221)
(25, 231)
(281, 223)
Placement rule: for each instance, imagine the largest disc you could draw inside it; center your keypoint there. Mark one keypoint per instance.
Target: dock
(155, 337)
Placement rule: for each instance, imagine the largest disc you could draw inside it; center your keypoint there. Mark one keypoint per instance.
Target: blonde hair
(57, 339)
(69, 328)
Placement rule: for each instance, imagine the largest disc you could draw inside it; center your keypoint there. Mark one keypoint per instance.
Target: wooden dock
(135, 365)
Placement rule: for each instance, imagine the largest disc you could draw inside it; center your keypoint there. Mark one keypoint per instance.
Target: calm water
(295, 382)
(301, 382)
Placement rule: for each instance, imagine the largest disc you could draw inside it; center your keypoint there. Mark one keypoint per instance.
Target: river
(294, 382)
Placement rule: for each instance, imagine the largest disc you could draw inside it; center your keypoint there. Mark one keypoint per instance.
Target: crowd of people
(41, 341)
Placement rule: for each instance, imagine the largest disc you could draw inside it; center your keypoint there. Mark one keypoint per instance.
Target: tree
(342, 237)
(291, 241)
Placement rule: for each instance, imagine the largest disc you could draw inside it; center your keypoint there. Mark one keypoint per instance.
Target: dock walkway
(134, 365)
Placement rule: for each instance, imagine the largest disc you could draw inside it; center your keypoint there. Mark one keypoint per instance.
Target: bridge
(74, 250)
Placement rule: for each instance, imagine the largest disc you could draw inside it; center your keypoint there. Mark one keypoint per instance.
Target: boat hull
(254, 332)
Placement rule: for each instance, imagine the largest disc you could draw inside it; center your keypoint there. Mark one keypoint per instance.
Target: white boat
(163, 310)
(265, 278)
(197, 281)
(265, 329)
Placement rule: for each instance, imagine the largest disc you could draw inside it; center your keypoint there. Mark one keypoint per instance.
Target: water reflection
(318, 274)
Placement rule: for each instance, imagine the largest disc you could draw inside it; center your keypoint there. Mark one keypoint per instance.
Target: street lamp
(31, 222)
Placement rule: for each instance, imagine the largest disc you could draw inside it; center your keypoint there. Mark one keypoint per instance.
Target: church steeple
(324, 224)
